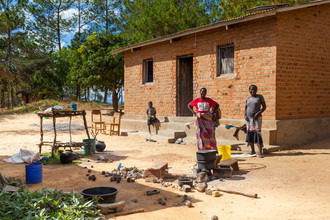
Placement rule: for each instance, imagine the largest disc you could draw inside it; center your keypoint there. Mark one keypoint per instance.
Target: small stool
(233, 163)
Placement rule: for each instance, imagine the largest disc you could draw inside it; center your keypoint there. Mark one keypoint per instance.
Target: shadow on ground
(73, 177)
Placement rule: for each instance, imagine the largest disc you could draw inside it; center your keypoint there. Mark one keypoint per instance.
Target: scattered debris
(134, 200)
(156, 171)
(209, 191)
(202, 177)
(161, 202)
(184, 198)
(200, 187)
(153, 192)
(186, 188)
(252, 195)
(189, 204)
(130, 212)
(216, 194)
(214, 217)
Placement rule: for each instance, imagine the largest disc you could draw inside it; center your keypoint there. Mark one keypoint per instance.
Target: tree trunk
(88, 95)
(115, 99)
(12, 104)
(58, 28)
(2, 98)
(78, 92)
(105, 94)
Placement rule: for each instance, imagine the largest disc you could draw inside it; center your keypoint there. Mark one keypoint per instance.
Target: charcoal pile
(129, 173)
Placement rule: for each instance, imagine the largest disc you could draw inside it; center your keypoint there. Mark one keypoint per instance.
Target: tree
(104, 69)
(141, 20)
(11, 27)
(51, 19)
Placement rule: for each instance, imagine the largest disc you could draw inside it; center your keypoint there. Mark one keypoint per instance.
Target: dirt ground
(291, 184)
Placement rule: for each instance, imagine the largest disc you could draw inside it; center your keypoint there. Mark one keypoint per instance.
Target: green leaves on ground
(46, 204)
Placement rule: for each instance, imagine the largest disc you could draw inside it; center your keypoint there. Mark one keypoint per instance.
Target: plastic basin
(104, 193)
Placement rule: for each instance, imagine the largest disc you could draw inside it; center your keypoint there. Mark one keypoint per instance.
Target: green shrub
(46, 204)
(54, 103)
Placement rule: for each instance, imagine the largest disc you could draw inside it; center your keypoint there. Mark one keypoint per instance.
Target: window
(148, 71)
(225, 60)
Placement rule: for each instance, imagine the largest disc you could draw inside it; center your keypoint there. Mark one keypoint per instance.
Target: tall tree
(50, 20)
(141, 20)
(11, 27)
(104, 69)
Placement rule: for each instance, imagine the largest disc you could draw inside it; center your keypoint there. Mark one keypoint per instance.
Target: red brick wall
(255, 63)
(303, 63)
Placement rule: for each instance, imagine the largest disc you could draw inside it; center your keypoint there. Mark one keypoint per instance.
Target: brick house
(284, 51)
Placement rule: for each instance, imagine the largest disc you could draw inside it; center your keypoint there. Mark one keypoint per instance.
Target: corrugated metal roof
(227, 22)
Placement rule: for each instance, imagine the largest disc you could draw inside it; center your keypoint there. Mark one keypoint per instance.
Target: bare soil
(291, 184)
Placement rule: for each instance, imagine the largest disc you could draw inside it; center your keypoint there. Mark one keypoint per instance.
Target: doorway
(184, 84)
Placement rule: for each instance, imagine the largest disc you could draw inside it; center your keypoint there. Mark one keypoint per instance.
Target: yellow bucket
(225, 151)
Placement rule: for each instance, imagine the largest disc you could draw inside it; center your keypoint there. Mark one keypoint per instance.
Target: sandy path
(290, 184)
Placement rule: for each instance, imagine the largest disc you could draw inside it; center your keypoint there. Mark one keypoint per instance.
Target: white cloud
(70, 13)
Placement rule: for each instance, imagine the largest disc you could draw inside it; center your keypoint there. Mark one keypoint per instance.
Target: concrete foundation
(274, 132)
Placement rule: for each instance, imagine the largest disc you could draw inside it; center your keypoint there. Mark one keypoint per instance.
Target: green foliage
(46, 204)
(94, 63)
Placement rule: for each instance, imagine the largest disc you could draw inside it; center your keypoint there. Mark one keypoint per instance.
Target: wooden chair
(115, 125)
(97, 123)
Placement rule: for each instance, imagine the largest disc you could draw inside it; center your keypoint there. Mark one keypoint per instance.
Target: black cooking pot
(68, 157)
(205, 164)
(100, 146)
(205, 155)
(105, 193)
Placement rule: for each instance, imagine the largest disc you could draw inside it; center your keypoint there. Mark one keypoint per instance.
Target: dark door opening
(184, 84)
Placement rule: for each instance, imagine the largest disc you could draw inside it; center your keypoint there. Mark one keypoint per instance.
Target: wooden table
(55, 113)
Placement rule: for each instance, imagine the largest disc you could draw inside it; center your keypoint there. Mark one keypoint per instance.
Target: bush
(46, 204)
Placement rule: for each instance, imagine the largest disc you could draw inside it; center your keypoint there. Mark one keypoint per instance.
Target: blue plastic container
(74, 107)
(33, 173)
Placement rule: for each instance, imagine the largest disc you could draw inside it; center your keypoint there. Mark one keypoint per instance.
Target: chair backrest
(116, 118)
(97, 114)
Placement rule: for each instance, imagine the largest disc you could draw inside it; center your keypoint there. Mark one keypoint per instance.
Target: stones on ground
(92, 177)
(113, 179)
(134, 200)
(208, 191)
(202, 177)
(189, 204)
(186, 188)
(103, 172)
(161, 202)
(216, 194)
(200, 187)
(92, 166)
(89, 171)
(87, 174)
(118, 179)
(106, 174)
(184, 198)
(214, 217)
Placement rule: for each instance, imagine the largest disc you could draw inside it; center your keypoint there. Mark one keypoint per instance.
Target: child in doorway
(151, 114)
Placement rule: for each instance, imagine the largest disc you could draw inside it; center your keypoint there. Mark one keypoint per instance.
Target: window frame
(219, 65)
(145, 71)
